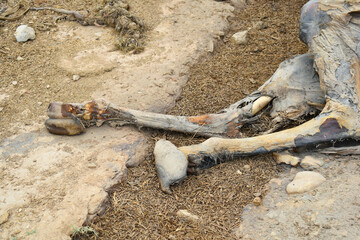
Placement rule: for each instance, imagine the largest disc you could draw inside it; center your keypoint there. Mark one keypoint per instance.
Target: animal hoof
(64, 126)
(59, 110)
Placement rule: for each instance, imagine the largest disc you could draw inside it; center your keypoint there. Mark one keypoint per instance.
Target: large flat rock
(52, 183)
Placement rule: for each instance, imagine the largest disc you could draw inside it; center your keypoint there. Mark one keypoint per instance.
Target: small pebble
(239, 172)
(76, 77)
(240, 37)
(47, 86)
(19, 58)
(24, 33)
(186, 215)
(304, 182)
(247, 167)
(4, 218)
(14, 83)
(91, 165)
(257, 201)
(39, 103)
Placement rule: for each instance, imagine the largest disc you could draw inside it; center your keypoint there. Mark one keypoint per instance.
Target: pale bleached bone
(330, 126)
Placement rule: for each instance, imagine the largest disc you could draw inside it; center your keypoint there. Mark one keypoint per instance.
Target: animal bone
(294, 91)
(331, 29)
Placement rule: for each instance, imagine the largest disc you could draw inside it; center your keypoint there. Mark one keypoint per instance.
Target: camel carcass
(325, 80)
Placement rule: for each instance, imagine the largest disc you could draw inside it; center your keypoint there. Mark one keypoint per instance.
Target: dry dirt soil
(138, 209)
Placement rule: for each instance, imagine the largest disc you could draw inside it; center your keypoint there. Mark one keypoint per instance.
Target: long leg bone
(329, 126)
(286, 88)
(97, 112)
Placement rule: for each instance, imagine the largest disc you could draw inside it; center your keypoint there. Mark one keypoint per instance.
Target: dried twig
(76, 14)
(9, 11)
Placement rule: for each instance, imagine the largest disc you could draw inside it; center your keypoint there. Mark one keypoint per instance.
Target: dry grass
(139, 210)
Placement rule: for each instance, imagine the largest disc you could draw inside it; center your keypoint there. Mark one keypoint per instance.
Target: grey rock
(76, 77)
(24, 33)
(186, 215)
(171, 164)
(240, 37)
